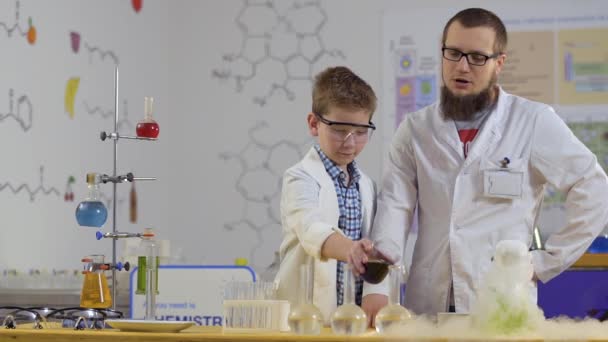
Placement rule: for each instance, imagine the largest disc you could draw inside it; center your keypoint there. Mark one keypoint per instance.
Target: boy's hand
(360, 253)
(371, 304)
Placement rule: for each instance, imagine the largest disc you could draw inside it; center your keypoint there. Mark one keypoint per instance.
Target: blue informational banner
(189, 292)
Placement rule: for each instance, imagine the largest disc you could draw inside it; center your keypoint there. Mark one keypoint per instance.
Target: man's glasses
(341, 131)
(473, 58)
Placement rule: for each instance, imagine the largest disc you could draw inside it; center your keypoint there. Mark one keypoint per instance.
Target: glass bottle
(147, 248)
(349, 318)
(95, 291)
(148, 128)
(92, 212)
(147, 272)
(305, 318)
(394, 313)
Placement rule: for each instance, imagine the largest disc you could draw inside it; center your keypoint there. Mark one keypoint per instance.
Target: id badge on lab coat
(502, 183)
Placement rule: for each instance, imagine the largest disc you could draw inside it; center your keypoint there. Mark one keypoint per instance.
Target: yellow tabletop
(207, 334)
(589, 260)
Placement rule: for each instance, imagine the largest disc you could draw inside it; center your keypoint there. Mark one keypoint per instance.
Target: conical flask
(95, 291)
(305, 318)
(349, 318)
(394, 313)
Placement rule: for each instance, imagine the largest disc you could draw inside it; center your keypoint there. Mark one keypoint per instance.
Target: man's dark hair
(479, 17)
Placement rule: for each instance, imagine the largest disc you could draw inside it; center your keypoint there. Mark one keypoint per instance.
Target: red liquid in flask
(147, 129)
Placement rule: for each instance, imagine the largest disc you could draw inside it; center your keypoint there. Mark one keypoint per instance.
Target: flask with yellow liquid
(95, 291)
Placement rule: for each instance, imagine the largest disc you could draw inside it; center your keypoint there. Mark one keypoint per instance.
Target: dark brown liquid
(375, 271)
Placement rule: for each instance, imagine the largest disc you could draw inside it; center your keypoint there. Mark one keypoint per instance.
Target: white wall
(43, 233)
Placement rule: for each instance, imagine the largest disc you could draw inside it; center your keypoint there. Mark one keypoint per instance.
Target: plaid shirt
(349, 201)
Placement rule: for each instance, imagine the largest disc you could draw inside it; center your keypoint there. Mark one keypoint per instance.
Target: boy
(327, 203)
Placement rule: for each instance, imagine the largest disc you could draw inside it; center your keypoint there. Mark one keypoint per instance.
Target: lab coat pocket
(503, 179)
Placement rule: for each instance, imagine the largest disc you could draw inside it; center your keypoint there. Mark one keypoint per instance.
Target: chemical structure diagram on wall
(22, 112)
(93, 51)
(73, 83)
(261, 167)
(278, 48)
(41, 189)
(15, 29)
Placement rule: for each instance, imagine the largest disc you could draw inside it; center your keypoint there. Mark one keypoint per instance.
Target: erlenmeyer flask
(95, 291)
(393, 314)
(305, 318)
(349, 318)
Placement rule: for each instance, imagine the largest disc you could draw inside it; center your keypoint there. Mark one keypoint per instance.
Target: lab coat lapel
(327, 195)
(490, 133)
(446, 131)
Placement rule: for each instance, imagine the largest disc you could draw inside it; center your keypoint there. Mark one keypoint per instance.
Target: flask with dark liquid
(375, 271)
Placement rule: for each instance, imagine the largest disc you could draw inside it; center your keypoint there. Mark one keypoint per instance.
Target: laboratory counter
(215, 334)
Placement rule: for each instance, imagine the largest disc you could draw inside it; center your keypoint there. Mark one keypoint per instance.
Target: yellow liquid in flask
(95, 291)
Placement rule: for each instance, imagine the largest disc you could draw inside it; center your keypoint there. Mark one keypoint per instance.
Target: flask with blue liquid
(92, 212)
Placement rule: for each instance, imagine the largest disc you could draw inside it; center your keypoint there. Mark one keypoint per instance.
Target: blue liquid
(91, 214)
(599, 245)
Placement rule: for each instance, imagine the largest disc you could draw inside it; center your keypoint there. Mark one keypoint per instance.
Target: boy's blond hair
(340, 87)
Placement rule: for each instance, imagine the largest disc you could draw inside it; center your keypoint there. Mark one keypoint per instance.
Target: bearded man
(476, 165)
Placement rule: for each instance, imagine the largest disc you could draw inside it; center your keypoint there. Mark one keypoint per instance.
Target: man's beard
(464, 108)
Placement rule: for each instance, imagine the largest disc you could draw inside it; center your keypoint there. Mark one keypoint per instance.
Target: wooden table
(208, 334)
(589, 260)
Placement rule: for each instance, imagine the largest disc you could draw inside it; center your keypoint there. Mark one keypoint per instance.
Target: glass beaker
(148, 128)
(95, 291)
(349, 318)
(306, 318)
(92, 212)
(394, 313)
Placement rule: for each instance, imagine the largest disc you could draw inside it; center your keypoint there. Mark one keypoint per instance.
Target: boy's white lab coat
(459, 227)
(309, 214)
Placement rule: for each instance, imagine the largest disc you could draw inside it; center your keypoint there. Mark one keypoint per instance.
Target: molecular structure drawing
(29, 33)
(94, 110)
(102, 54)
(123, 121)
(280, 45)
(40, 189)
(24, 119)
(261, 167)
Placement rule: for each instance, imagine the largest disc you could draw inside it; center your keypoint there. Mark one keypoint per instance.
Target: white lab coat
(309, 214)
(459, 227)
